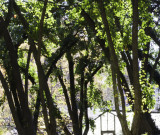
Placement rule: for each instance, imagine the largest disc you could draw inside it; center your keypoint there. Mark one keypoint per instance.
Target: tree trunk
(136, 84)
(115, 71)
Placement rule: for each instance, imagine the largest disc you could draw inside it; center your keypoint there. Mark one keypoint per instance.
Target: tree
(26, 123)
(117, 76)
(78, 33)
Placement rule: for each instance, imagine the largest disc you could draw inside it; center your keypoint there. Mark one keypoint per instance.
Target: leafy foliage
(52, 53)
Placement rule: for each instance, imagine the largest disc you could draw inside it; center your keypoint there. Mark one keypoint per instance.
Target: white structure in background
(108, 123)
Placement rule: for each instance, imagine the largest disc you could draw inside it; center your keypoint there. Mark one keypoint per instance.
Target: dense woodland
(53, 51)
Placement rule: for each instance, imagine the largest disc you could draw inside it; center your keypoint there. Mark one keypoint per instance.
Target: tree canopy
(52, 52)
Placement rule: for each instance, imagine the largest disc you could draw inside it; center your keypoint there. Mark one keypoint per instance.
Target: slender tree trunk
(115, 71)
(86, 109)
(137, 89)
(75, 120)
(44, 86)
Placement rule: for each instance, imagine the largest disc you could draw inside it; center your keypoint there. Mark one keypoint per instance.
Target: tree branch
(41, 28)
